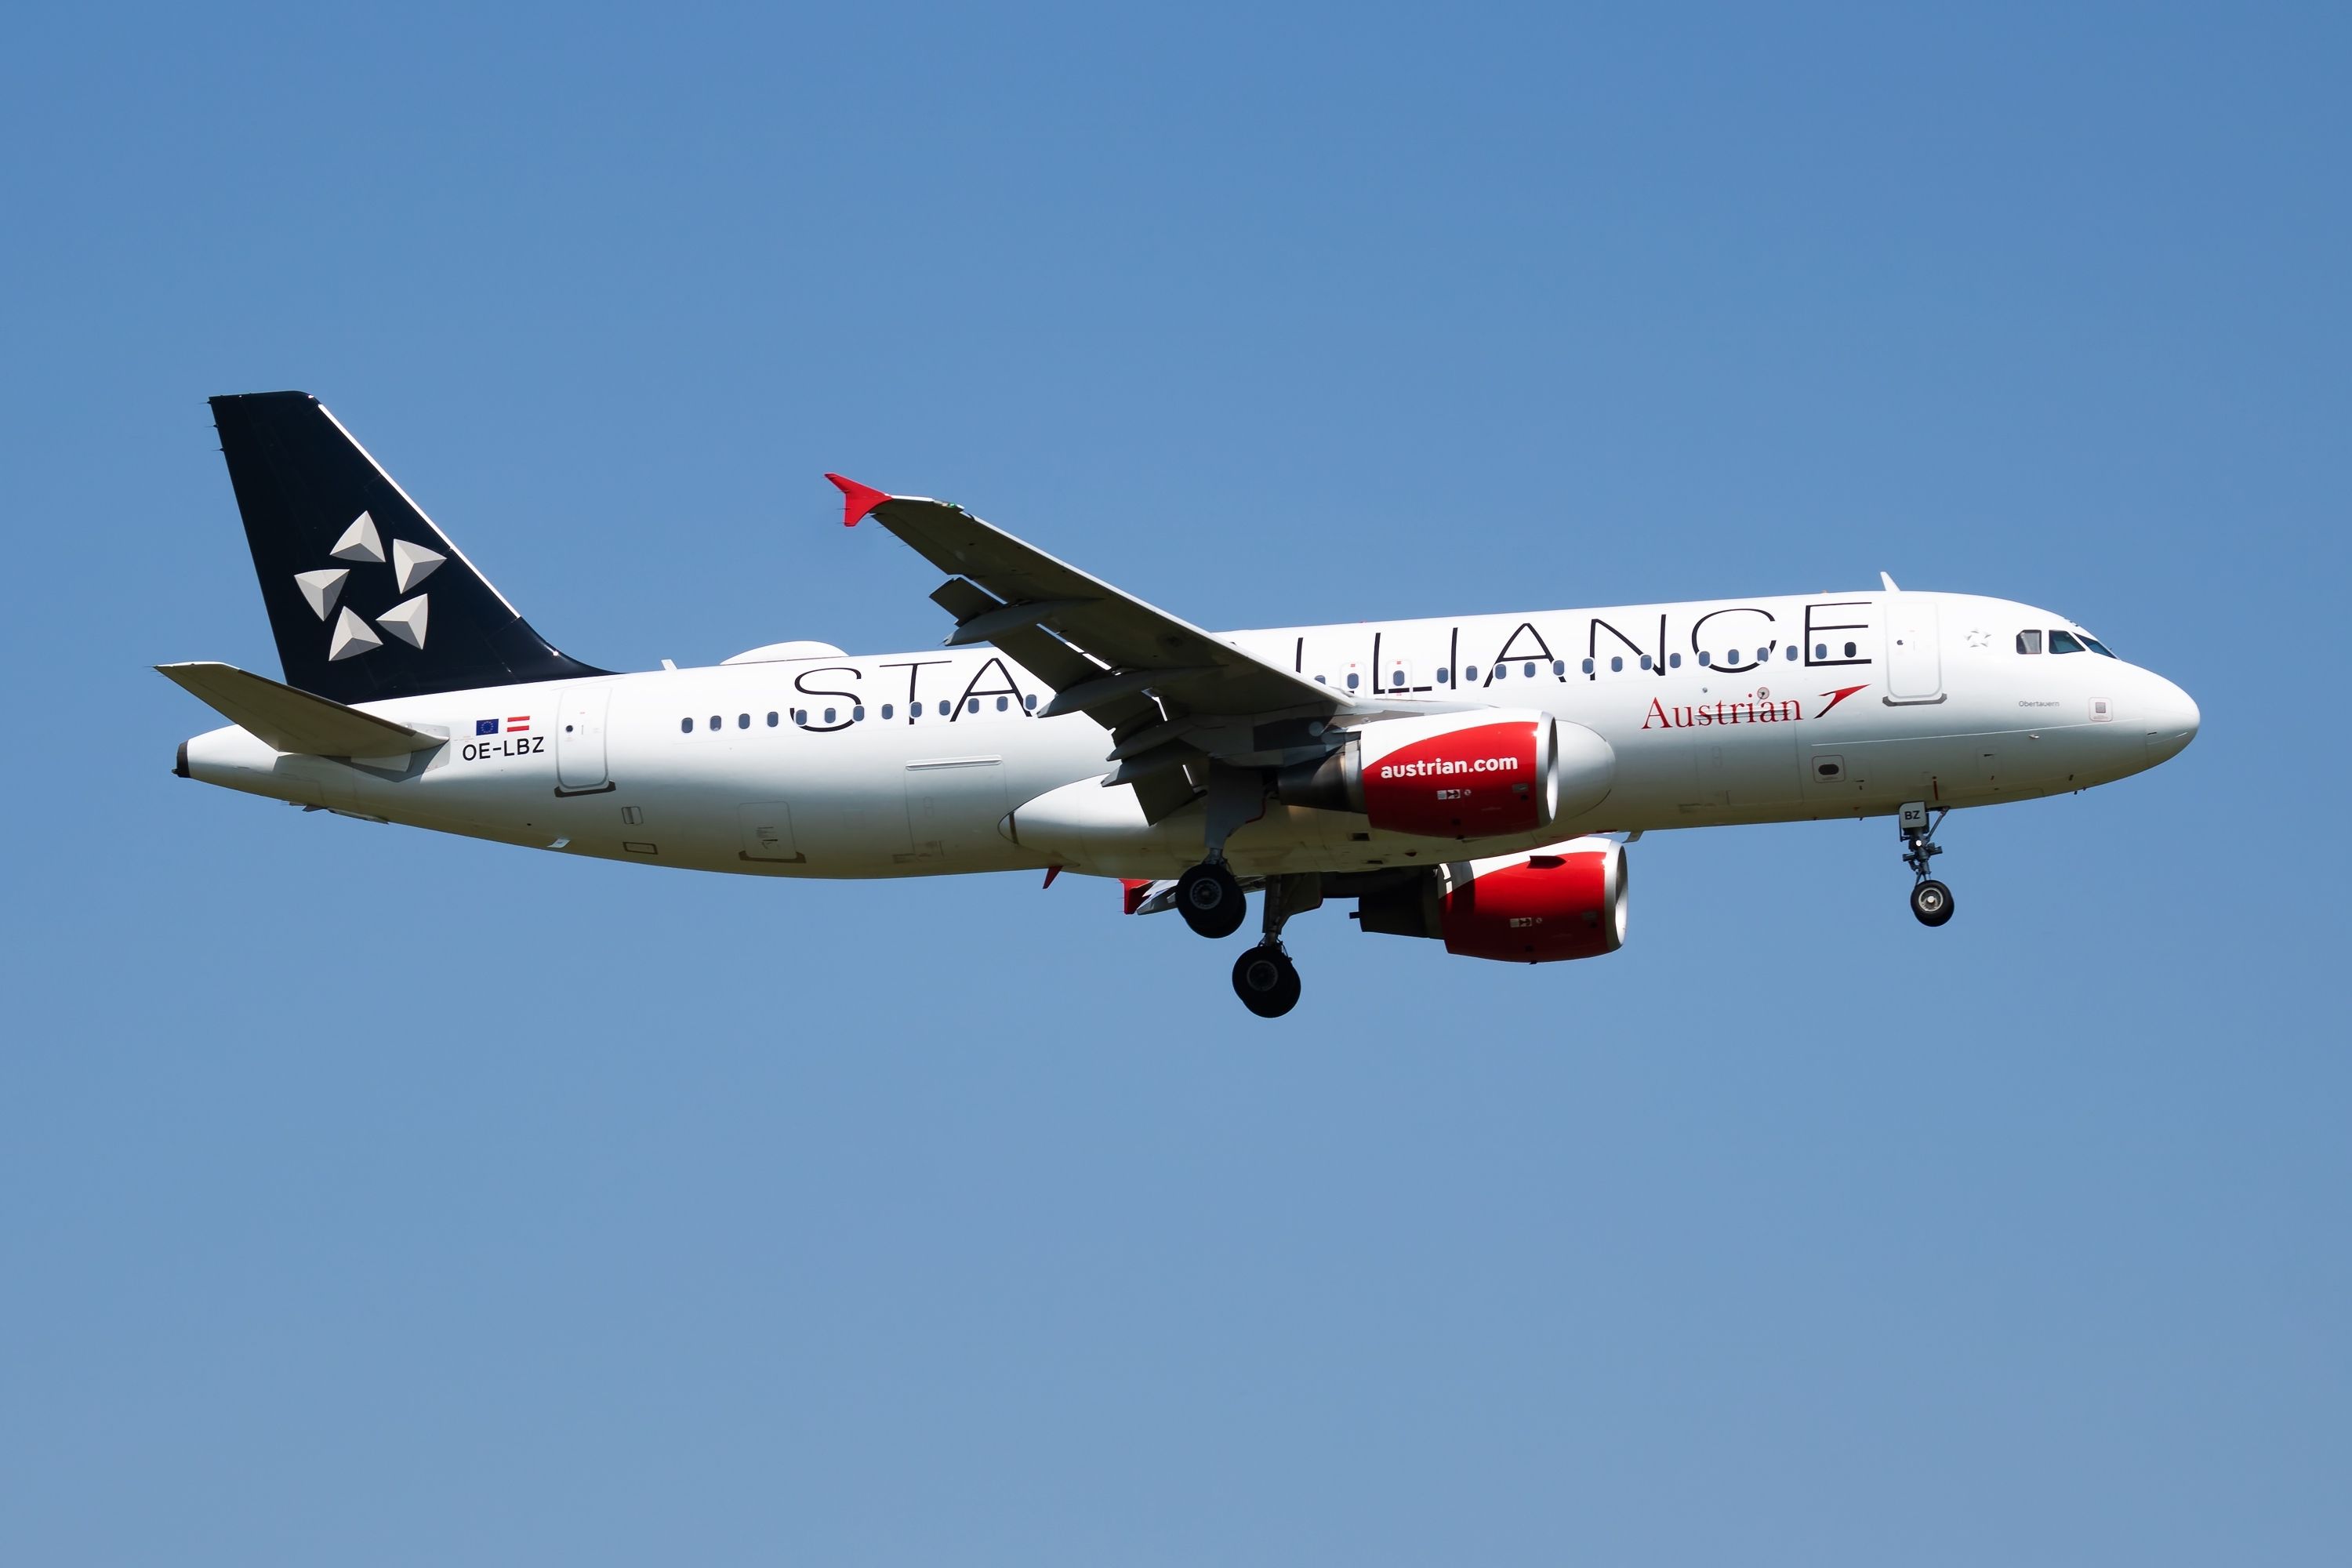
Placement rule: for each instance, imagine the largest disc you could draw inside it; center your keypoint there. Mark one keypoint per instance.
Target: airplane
(1472, 781)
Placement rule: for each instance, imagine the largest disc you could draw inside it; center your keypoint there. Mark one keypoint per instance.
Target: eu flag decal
(486, 726)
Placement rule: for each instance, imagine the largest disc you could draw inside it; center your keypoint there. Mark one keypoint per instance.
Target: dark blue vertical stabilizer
(366, 597)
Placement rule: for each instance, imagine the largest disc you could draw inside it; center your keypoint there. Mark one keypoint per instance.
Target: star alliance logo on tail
(362, 545)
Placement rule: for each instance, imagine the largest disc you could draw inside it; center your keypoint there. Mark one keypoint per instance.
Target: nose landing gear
(1931, 902)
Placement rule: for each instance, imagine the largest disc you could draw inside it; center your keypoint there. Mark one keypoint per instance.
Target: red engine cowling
(1459, 775)
(1565, 902)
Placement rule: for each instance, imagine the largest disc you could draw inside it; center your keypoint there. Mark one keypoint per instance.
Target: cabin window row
(1527, 668)
(805, 715)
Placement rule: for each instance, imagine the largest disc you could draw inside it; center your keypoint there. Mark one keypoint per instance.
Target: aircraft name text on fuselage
(998, 684)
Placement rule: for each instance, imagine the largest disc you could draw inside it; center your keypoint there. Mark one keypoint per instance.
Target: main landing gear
(1211, 899)
(1208, 897)
(1931, 902)
(1266, 980)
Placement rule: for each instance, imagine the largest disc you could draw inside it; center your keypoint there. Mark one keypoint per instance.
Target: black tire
(1932, 902)
(1266, 981)
(1210, 900)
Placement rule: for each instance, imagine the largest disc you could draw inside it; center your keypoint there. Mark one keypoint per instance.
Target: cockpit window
(2064, 642)
(2095, 646)
(2029, 642)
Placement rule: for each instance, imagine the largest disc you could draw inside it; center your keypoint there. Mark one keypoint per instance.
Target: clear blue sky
(372, 1197)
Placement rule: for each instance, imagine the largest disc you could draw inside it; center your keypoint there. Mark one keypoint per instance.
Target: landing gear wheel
(1932, 902)
(1266, 981)
(1210, 899)
(1917, 822)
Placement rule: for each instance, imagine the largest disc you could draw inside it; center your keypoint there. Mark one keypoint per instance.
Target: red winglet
(856, 500)
(1134, 887)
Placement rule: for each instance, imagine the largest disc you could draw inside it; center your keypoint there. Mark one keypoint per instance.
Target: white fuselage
(924, 763)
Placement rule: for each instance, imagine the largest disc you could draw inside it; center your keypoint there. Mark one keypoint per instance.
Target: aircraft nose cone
(2173, 719)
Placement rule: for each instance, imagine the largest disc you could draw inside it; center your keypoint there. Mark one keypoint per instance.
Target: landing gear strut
(1931, 902)
(1208, 895)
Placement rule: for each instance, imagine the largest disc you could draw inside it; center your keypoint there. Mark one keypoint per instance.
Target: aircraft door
(580, 740)
(1914, 658)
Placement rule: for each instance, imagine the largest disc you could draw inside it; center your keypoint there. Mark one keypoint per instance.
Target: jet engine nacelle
(1565, 902)
(1459, 775)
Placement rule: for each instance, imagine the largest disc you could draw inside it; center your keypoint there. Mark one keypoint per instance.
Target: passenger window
(887, 708)
(1445, 678)
(2029, 642)
(772, 718)
(1397, 679)
(800, 715)
(975, 707)
(1793, 653)
(1705, 659)
(1849, 650)
(2064, 642)
(1820, 650)
(686, 726)
(1560, 666)
(1352, 681)
(742, 720)
(1587, 667)
(1029, 703)
(1616, 663)
(1529, 670)
(1762, 654)
(1646, 661)
(1470, 673)
(914, 711)
(1322, 680)
(714, 721)
(1003, 704)
(1673, 662)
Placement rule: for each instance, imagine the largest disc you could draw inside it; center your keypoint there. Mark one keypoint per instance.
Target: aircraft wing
(1135, 646)
(1156, 681)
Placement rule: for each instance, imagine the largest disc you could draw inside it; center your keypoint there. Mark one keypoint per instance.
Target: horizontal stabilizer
(292, 720)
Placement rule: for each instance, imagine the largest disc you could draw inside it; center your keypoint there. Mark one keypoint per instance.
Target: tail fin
(366, 597)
